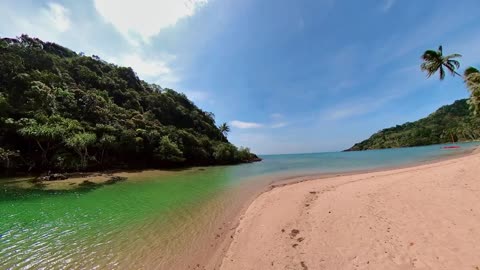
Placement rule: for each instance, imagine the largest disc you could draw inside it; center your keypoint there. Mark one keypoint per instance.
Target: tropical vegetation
(435, 61)
(472, 79)
(456, 122)
(449, 123)
(62, 110)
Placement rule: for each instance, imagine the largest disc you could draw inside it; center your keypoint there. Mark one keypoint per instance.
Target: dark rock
(51, 177)
(115, 179)
(43, 178)
(87, 183)
(58, 176)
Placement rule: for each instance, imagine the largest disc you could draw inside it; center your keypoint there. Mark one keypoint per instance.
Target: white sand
(424, 217)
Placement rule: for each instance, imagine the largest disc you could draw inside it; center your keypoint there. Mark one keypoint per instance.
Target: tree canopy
(451, 121)
(472, 79)
(60, 110)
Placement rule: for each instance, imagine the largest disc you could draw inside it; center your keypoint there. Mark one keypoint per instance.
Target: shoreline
(215, 261)
(79, 180)
(219, 261)
(215, 247)
(75, 180)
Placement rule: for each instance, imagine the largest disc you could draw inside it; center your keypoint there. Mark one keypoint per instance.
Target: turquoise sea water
(159, 222)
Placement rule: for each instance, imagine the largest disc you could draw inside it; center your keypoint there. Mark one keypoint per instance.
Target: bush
(169, 151)
(225, 153)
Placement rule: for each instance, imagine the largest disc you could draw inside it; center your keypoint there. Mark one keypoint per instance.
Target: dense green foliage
(60, 110)
(452, 121)
(472, 79)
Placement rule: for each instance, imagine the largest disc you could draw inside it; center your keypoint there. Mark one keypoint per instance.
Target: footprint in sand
(294, 233)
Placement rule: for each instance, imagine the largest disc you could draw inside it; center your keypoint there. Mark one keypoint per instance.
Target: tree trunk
(44, 153)
(101, 157)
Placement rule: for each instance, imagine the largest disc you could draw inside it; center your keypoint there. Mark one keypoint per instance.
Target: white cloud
(145, 67)
(148, 69)
(199, 96)
(145, 18)
(58, 16)
(244, 125)
(48, 22)
(277, 122)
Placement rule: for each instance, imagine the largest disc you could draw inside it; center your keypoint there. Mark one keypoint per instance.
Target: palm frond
(455, 63)
(450, 67)
(455, 55)
(430, 67)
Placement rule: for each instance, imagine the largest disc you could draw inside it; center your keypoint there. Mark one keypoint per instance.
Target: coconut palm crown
(434, 61)
(224, 128)
(472, 79)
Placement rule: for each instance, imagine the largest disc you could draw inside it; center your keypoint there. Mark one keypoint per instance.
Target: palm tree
(472, 79)
(434, 61)
(471, 72)
(224, 128)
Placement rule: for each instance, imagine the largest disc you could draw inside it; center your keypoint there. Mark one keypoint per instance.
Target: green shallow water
(157, 222)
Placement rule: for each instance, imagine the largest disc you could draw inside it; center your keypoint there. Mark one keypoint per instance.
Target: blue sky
(289, 76)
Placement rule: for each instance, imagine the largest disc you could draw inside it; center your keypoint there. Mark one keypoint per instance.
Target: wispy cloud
(48, 22)
(199, 96)
(276, 115)
(245, 125)
(398, 83)
(279, 125)
(430, 32)
(140, 20)
(467, 45)
(58, 16)
(348, 110)
(150, 69)
(387, 5)
(277, 121)
(342, 85)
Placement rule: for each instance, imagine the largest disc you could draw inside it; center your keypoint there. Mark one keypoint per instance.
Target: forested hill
(60, 110)
(451, 121)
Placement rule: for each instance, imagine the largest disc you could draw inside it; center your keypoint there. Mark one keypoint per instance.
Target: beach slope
(423, 217)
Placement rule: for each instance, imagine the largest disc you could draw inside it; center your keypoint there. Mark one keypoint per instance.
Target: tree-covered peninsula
(64, 111)
(451, 122)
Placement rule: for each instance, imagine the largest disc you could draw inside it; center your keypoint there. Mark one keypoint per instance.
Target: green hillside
(451, 121)
(60, 110)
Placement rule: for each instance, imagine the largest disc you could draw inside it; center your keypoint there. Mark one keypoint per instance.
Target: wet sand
(423, 217)
(76, 181)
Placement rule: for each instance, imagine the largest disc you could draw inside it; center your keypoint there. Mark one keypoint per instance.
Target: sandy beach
(422, 217)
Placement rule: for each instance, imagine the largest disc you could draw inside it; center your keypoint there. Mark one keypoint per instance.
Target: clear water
(160, 222)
